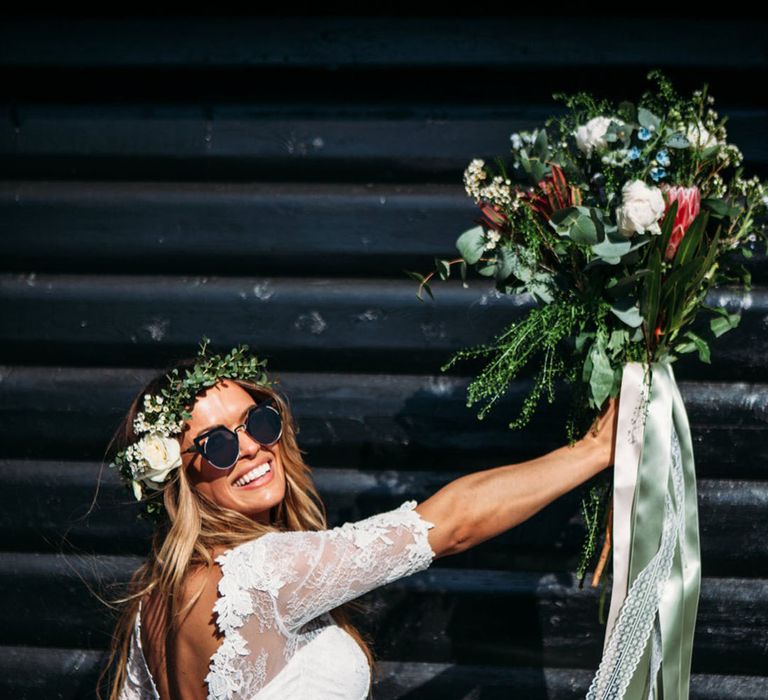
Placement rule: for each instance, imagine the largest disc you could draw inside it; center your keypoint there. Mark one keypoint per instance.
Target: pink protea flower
(688, 207)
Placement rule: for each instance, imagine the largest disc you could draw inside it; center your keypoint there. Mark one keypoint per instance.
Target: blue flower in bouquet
(644, 134)
(657, 174)
(662, 157)
(633, 153)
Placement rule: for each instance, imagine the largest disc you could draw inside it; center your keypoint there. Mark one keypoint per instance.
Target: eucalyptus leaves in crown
(147, 463)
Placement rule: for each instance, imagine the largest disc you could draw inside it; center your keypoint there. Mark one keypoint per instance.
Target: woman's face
(226, 403)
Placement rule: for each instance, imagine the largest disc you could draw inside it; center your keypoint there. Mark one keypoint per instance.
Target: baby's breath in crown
(147, 463)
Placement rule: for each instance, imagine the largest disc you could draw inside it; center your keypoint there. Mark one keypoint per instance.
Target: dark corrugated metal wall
(266, 181)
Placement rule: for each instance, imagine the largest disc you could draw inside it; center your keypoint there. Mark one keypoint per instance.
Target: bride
(245, 593)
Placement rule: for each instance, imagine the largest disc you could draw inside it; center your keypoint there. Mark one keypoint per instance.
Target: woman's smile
(248, 482)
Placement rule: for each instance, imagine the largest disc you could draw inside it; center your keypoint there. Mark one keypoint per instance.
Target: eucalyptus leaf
(488, 269)
(612, 251)
(601, 378)
(586, 370)
(540, 146)
(677, 140)
(414, 275)
(540, 286)
(626, 309)
(584, 231)
(507, 262)
(521, 270)
(539, 170)
(471, 244)
(598, 262)
(443, 268)
(618, 339)
(581, 224)
(563, 219)
(648, 119)
(582, 338)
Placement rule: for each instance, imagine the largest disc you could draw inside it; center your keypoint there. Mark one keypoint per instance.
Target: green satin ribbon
(679, 601)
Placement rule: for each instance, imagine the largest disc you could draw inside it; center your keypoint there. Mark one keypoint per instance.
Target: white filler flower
(642, 207)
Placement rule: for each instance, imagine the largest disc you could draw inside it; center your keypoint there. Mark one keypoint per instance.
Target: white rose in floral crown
(592, 134)
(699, 137)
(157, 455)
(642, 207)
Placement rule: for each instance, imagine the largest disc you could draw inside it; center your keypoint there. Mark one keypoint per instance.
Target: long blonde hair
(193, 525)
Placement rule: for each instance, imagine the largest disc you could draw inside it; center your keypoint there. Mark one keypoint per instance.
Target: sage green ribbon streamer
(679, 608)
(656, 620)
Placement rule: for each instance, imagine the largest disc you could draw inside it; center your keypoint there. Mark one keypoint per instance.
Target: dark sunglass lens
(221, 448)
(264, 424)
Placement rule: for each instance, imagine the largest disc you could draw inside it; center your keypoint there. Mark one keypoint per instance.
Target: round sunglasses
(220, 445)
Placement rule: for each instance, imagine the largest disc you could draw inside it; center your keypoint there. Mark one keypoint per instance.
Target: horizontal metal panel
(36, 673)
(345, 42)
(235, 142)
(304, 324)
(372, 421)
(238, 229)
(60, 505)
(480, 616)
(467, 682)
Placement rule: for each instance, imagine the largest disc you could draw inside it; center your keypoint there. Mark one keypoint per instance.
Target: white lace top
(275, 596)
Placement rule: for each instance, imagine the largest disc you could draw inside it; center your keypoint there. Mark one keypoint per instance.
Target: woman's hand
(602, 433)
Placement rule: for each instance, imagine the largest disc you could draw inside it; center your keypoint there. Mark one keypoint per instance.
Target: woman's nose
(247, 444)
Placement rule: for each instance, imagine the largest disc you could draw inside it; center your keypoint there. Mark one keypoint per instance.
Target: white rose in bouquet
(642, 207)
(592, 134)
(699, 137)
(157, 456)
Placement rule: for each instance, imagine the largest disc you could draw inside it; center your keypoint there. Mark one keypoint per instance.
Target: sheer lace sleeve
(311, 572)
(273, 586)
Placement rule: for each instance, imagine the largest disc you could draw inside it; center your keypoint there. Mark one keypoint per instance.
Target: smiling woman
(245, 592)
(244, 475)
(209, 448)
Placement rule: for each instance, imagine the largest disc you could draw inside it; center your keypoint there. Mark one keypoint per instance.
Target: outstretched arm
(486, 503)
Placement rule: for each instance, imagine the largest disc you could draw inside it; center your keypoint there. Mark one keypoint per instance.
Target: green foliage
(471, 244)
(594, 513)
(541, 331)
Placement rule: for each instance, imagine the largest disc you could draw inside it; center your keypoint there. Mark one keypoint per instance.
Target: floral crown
(147, 463)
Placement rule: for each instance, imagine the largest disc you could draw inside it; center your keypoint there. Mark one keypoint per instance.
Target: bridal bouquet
(618, 220)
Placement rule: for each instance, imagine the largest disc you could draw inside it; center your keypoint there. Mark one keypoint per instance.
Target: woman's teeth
(254, 474)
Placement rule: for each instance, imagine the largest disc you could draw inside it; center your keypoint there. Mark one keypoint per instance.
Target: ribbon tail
(648, 644)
